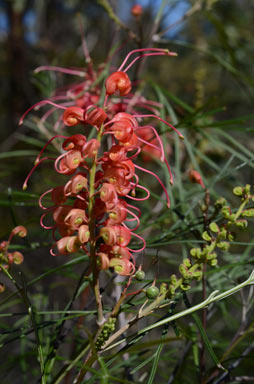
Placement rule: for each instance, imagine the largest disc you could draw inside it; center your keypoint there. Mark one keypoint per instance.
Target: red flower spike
(195, 177)
(118, 81)
(73, 116)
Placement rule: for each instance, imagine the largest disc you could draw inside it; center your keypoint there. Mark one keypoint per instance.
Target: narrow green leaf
(204, 335)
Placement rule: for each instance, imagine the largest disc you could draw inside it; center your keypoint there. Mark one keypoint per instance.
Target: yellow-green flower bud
(220, 203)
(214, 227)
(223, 246)
(238, 191)
(242, 224)
(248, 212)
(163, 288)
(185, 287)
(206, 236)
(187, 262)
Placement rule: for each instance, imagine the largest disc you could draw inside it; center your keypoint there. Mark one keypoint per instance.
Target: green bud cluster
(216, 237)
(188, 274)
(221, 236)
(107, 329)
(205, 255)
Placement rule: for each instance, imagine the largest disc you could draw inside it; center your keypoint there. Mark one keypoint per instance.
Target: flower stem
(92, 228)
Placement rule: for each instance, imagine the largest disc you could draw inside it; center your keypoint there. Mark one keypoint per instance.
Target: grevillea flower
(118, 81)
(90, 212)
(73, 116)
(195, 177)
(7, 258)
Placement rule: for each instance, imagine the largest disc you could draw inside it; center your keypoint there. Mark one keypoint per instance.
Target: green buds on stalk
(107, 329)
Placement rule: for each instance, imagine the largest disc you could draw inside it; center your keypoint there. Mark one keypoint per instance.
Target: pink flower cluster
(91, 210)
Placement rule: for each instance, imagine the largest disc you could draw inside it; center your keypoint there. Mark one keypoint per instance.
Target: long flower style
(92, 211)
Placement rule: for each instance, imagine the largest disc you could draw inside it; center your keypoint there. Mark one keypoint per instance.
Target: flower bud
(248, 212)
(18, 258)
(118, 81)
(214, 227)
(73, 116)
(187, 262)
(140, 275)
(152, 292)
(19, 231)
(136, 10)
(242, 224)
(206, 236)
(195, 177)
(238, 191)
(224, 246)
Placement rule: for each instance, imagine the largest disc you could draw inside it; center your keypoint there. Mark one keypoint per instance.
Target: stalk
(92, 229)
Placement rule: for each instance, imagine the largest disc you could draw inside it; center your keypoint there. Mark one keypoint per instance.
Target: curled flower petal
(118, 81)
(123, 235)
(73, 116)
(77, 183)
(108, 195)
(18, 258)
(68, 244)
(19, 231)
(109, 235)
(74, 142)
(95, 116)
(122, 266)
(75, 218)
(90, 149)
(83, 234)
(102, 261)
(60, 213)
